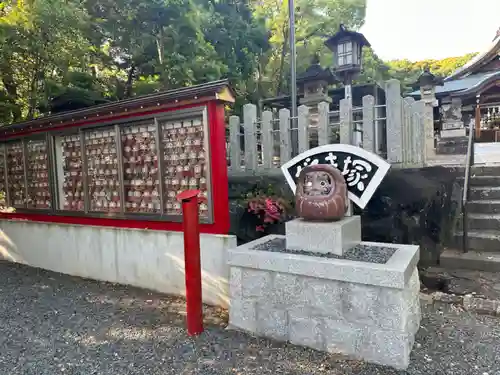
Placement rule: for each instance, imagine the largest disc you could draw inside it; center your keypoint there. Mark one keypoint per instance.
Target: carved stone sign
(363, 171)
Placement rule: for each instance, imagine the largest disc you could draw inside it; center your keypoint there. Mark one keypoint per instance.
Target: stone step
(451, 149)
(472, 260)
(480, 240)
(452, 146)
(453, 141)
(485, 170)
(484, 207)
(484, 193)
(485, 181)
(478, 222)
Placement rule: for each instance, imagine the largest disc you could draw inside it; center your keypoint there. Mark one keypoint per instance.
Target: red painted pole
(192, 261)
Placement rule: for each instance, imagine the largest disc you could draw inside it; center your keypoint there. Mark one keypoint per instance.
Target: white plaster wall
(144, 258)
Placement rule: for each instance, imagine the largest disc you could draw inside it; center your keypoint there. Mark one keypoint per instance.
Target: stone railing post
(323, 121)
(418, 123)
(394, 121)
(250, 128)
(234, 143)
(428, 117)
(346, 128)
(285, 126)
(408, 139)
(303, 128)
(267, 139)
(369, 124)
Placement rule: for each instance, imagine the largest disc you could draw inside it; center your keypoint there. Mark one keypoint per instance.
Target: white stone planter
(364, 310)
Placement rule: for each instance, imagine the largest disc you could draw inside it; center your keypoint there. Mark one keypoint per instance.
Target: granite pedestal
(366, 309)
(323, 237)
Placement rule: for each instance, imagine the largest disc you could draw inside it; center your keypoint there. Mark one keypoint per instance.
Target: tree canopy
(408, 71)
(63, 55)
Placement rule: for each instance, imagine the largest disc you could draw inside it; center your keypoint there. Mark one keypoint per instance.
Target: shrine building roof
(215, 90)
(473, 76)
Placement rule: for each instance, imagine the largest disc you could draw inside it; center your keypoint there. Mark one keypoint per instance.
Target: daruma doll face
(318, 184)
(321, 193)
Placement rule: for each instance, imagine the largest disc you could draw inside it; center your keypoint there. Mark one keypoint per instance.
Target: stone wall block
(341, 337)
(235, 289)
(288, 290)
(394, 308)
(325, 296)
(243, 315)
(305, 330)
(414, 317)
(394, 315)
(414, 283)
(272, 322)
(360, 302)
(386, 348)
(255, 283)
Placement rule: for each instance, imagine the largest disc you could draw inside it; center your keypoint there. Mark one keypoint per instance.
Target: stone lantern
(314, 82)
(427, 83)
(347, 47)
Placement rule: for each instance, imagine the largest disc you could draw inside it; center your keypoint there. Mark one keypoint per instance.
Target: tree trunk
(32, 98)
(130, 82)
(284, 50)
(159, 45)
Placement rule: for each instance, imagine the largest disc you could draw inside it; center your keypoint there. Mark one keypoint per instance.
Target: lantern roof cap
(316, 73)
(428, 79)
(344, 34)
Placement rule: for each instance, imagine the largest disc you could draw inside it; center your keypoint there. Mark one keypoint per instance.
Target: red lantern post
(192, 260)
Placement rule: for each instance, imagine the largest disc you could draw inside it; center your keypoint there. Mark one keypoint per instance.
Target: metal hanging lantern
(347, 47)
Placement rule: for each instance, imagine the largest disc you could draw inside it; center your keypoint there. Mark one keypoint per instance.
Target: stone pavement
(56, 324)
(476, 291)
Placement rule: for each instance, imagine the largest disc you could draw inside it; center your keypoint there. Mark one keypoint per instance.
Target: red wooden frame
(218, 170)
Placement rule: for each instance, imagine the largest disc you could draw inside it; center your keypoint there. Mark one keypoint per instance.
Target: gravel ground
(361, 252)
(56, 324)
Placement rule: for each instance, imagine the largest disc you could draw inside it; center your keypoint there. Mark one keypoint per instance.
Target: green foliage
(408, 72)
(58, 56)
(63, 55)
(315, 21)
(374, 69)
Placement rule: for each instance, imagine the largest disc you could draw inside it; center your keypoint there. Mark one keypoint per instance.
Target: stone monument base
(453, 133)
(364, 304)
(323, 237)
(452, 142)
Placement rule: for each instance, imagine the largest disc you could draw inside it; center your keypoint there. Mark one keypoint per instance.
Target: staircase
(483, 221)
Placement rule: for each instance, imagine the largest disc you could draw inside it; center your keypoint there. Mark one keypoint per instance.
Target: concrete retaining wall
(142, 258)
